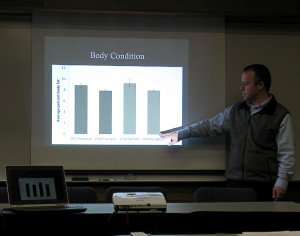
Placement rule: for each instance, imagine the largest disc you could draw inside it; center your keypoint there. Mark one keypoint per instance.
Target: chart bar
(28, 194)
(129, 122)
(105, 112)
(81, 109)
(153, 112)
(41, 189)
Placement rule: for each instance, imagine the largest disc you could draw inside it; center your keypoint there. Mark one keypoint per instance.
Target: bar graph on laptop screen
(37, 188)
(115, 105)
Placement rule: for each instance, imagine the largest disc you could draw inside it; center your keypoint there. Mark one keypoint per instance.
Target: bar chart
(118, 105)
(37, 188)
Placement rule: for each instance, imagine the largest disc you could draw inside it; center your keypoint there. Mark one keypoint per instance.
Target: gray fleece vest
(253, 155)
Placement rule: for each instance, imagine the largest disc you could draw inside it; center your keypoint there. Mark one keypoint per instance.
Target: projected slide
(115, 105)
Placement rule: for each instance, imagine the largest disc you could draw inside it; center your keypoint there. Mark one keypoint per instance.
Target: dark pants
(264, 190)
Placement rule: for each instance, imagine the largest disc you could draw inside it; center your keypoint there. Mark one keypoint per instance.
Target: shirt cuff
(281, 183)
(183, 134)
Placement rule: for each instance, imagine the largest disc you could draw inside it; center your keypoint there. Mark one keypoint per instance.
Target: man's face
(249, 90)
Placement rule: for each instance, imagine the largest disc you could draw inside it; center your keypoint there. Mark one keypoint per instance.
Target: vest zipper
(244, 150)
(269, 170)
(243, 169)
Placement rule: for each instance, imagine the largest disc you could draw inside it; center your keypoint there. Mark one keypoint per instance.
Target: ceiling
(283, 11)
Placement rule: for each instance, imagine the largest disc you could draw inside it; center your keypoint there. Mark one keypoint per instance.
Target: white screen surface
(183, 62)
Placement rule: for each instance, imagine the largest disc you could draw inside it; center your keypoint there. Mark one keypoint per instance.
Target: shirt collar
(260, 106)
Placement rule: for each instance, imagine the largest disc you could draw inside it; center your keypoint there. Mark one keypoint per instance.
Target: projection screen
(104, 86)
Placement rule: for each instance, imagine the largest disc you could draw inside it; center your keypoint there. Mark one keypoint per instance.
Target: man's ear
(261, 85)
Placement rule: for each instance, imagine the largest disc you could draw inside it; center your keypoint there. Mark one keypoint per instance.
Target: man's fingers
(163, 135)
(277, 193)
(172, 142)
(172, 136)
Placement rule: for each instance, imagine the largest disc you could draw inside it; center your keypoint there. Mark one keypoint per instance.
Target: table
(180, 218)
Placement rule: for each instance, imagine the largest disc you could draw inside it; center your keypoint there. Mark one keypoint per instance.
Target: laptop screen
(36, 185)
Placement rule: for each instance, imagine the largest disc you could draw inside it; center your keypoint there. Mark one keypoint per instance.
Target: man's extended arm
(210, 127)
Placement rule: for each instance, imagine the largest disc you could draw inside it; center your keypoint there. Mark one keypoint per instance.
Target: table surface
(179, 218)
(209, 207)
(191, 207)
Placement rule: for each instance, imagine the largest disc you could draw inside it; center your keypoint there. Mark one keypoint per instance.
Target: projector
(139, 201)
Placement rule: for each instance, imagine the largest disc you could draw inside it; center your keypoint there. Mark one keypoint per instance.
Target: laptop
(38, 189)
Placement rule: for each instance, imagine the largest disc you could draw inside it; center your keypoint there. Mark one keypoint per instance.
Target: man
(262, 154)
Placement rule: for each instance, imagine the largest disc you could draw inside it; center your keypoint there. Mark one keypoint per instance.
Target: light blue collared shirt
(219, 124)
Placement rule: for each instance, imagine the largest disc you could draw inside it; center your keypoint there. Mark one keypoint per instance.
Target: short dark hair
(262, 74)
